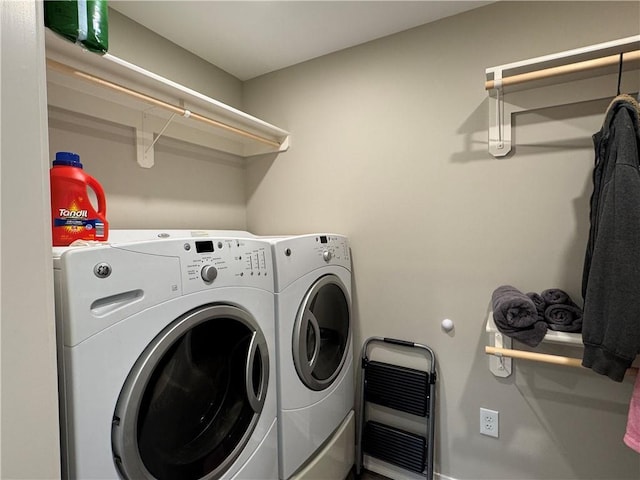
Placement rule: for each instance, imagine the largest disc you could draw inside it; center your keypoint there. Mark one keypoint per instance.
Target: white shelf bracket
(499, 120)
(146, 153)
(499, 365)
(144, 144)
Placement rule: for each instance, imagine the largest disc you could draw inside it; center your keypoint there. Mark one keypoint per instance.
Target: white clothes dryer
(314, 340)
(167, 359)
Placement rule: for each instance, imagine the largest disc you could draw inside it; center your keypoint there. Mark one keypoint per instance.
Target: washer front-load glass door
(193, 398)
(321, 333)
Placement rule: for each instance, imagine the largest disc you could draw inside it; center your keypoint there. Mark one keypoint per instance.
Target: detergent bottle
(73, 217)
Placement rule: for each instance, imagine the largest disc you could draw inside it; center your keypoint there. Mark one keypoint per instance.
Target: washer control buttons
(326, 255)
(209, 273)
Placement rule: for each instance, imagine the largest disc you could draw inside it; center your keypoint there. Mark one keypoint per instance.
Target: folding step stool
(406, 390)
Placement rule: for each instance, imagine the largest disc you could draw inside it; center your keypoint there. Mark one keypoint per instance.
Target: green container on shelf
(80, 21)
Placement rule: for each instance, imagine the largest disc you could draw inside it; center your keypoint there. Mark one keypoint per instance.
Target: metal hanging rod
(542, 357)
(61, 67)
(586, 65)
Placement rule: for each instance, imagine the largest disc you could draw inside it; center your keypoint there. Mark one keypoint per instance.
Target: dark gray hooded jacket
(611, 275)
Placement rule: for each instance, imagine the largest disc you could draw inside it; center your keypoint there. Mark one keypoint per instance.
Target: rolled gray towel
(516, 316)
(539, 302)
(564, 318)
(554, 296)
(512, 308)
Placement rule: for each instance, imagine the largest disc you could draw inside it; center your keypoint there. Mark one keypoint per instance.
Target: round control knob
(326, 255)
(209, 273)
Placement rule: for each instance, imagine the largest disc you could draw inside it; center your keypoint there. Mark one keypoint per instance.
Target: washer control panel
(332, 248)
(296, 256)
(221, 262)
(207, 262)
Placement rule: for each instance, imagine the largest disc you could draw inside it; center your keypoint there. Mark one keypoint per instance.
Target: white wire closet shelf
(121, 92)
(568, 77)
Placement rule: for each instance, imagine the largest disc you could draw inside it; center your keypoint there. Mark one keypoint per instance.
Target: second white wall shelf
(113, 89)
(568, 77)
(501, 353)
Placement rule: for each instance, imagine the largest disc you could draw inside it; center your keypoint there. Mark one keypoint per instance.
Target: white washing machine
(167, 359)
(315, 352)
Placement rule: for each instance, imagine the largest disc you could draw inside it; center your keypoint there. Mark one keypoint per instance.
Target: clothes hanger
(620, 73)
(620, 76)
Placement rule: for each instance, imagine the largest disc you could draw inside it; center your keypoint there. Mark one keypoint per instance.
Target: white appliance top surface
(145, 235)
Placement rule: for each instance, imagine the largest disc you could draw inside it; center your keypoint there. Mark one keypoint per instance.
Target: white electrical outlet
(489, 422)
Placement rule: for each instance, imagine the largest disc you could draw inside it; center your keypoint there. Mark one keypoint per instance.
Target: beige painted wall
(389, 147)
(133, 42)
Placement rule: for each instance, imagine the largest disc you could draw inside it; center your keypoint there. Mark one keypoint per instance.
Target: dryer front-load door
(321, 333)
(193, 398)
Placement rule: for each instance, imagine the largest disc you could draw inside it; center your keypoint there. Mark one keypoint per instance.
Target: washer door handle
(311, 318)
(255, 400)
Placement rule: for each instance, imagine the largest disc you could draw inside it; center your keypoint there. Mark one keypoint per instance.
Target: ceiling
(251, 38)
